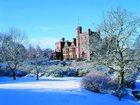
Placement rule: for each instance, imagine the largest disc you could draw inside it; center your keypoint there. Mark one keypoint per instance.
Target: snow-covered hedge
(61, 71)
(97, 81)
(4, 71)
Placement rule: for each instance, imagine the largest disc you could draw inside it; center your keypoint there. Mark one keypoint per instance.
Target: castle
(78, 48)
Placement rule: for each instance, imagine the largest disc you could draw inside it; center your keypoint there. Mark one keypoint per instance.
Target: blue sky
(47, 21)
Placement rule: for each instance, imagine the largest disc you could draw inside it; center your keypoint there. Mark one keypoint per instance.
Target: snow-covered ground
(138, 84)
(50, 91)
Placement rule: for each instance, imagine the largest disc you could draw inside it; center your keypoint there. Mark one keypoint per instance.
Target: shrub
(120, 93)
(21, 73)
(30, 75)
(71, 73)
(130, 84)
(98, 81)
(67, 72)
(83, 67)
(112, 85)
(82, 73)
(57, 73)
(95, 81)
(130, 77)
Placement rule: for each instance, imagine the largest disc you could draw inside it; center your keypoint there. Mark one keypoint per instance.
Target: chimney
(63, 39)
(79, 30)
(89, 31)
(74, 41)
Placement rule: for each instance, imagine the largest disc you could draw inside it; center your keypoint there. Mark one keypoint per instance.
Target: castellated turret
(79, 30)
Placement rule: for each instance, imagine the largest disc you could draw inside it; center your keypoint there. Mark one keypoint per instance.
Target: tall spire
(78, 21)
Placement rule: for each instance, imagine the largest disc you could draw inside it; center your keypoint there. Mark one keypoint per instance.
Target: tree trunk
(121, 79)
(14, 76)
(37, 76)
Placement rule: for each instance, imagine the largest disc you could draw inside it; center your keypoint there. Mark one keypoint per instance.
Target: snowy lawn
(50, 91)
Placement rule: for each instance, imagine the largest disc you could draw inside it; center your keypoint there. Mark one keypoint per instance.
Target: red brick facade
(77, 49)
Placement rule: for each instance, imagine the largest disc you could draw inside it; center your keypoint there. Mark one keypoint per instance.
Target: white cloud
(46, 42)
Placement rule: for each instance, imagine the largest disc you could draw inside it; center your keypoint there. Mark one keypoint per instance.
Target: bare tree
(39, 56)
(119, 27)
(137, 43)
(31, 52)
(12, 49)
(36, 56)
(47, 53)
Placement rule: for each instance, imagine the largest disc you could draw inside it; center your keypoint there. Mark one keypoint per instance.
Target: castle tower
(78, 31)
(89, 33)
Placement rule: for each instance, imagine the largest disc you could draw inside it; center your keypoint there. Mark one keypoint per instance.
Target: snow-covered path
(51, 83)
(60, 91)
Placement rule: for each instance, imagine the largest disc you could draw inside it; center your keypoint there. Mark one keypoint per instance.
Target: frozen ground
(50, 91)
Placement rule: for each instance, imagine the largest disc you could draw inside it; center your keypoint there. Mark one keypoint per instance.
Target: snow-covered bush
(113, 84)
(130, 78)
(83, 67)
(70, 72)
(120, 93)
(57, 73)
(98, 81)
(82, 73)
(30, 75)
(55, 70)
(61, 71)
(95, 81)
(5, 71)
(21, 73)
(2, 70)
(130, 84)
